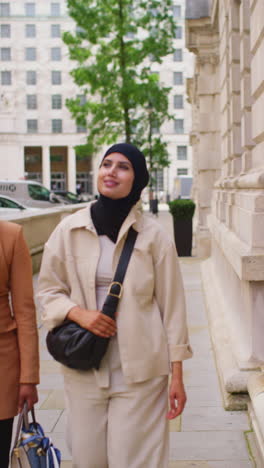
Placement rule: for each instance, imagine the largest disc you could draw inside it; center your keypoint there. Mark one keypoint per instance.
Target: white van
(29, 193)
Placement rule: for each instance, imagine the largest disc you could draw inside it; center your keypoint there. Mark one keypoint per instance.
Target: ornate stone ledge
(249, 265)
(251, 180)
(233, 380)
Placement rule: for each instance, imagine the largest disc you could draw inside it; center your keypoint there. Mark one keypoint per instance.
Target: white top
(110, 369)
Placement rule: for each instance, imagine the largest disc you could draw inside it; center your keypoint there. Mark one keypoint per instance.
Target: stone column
(46, 166)
(203, 91)
(71, 169)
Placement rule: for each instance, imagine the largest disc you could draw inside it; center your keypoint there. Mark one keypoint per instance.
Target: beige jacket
(151, 318)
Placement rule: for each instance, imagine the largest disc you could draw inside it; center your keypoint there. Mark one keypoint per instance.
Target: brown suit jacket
(19, 355)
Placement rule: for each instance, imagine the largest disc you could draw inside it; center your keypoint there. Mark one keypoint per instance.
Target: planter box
(183, 236)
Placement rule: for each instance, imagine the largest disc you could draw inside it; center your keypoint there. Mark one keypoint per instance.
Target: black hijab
(107, 214)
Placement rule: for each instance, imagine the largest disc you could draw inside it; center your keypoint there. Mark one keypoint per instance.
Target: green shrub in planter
(182, 211)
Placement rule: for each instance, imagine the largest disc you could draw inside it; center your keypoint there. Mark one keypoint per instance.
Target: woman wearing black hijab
(118, 415)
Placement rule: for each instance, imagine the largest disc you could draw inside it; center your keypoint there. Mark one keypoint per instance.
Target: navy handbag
(32, 449)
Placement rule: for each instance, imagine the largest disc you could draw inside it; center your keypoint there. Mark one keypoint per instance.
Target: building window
(178, 101)
(31, 77)
(177, 78)
(55, 53)
(182, 171)
(31, 54)
(55, 9)
(179, 126)
(30, 30)
(4, 9)
(81, 129)
(5, 30)
(82, 99)
(6, 78)
(5, 54)
(30, 9)
(56, 125)
(32, 126)
(55, 77)
(178, 32)
(177, 56)
(55, 30)
(177, 11)
(31, 101)
(182, 153)
(159, 180)
(56, 101)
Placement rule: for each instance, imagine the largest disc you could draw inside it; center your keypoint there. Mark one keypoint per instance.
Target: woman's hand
(94, 321)
(177, 395)
(27, 393)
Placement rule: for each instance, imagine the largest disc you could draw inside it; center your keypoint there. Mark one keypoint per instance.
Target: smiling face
(116, 176)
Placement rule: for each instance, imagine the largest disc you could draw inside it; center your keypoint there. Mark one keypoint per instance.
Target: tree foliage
(113, 46)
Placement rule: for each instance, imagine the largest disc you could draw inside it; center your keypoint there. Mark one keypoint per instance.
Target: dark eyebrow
(119, 162)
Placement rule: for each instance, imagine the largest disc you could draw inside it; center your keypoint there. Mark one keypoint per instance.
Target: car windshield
(5, 203)
(37, 192)
(71, 196)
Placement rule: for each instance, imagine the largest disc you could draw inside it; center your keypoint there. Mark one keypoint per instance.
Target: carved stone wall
(229, 84)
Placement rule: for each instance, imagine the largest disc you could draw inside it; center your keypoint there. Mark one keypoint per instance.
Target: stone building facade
(227, 97)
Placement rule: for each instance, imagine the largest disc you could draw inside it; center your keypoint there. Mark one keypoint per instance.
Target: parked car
(9, 206)
(67, 197)
(29, 193)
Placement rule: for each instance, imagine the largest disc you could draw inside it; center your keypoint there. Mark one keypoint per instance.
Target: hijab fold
(107, 214)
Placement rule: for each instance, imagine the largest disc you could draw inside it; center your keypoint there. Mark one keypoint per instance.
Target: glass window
(6, 203)
(56, 77)
(4, 9)
(82, 99)
(55, 30)
(178, 78)
(177, 11)
(55, 53)
(6, 78)
(38, 192)
(182, 171)
(178, 32)
(31, 101)
(5, 54)
(178, 101)
(30, 9)
(177, 56)
(56, 101)
(31, 53)
(32, 126)
(56, 125)
(31, 77)
(159, 180)
(81, 129)
(55, 9)
(182, 153)
(179, 126)
(5, 30)
(30, 30)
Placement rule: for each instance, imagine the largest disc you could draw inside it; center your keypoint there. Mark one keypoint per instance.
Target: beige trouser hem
(123, 426)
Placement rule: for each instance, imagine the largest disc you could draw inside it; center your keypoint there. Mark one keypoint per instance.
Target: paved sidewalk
(206, 436)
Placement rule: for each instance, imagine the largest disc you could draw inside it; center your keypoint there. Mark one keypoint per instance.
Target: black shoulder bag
(77, 347)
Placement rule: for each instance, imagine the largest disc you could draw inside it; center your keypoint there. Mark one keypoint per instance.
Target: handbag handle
(115, 288)
(23, 419)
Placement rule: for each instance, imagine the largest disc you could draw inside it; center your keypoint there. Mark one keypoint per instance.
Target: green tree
(113, 46)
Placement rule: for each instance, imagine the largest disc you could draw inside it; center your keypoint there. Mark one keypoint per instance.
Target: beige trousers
(122, 426)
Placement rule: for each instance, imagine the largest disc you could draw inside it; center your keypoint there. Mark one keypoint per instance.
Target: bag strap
(23, 421)
(115, 288)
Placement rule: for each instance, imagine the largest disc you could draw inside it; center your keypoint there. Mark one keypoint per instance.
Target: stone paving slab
(208, 445)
